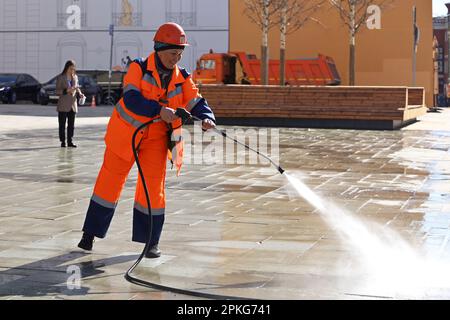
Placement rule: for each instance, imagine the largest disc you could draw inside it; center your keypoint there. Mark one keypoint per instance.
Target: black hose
(185, 116)
(148, 284)
(224, 134)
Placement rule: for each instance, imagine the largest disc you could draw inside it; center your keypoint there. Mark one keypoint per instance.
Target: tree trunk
(283, 46)
(282, 67)
(352, 61)
(263, 65)
(265, 46)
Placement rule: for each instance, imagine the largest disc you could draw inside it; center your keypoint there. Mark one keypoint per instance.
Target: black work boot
(86, 242)
(153, 252)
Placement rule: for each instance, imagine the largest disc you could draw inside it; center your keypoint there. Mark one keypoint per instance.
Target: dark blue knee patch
(141, 227)
(98, 219)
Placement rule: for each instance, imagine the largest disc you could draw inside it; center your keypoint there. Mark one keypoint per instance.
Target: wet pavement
(231, 229)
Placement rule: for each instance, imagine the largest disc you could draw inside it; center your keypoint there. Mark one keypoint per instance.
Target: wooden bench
(316, 106)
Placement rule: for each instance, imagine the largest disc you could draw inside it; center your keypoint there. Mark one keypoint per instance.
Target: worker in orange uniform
(153, 90)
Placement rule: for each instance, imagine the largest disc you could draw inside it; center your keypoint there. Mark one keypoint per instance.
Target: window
(63, 17)
(21, 79)
(8, 78)
(30, 81)
(52, 81)
(440, 53)
(207, 64)
(183, 12)
(87, 81)
(127, 13)
(82, 80)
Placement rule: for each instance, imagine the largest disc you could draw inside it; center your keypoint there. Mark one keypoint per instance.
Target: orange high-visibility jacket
(142, 101)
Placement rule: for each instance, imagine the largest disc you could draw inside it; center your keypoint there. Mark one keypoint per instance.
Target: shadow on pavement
(55, 276)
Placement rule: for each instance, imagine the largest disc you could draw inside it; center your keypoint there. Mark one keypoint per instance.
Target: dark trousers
(70, 116)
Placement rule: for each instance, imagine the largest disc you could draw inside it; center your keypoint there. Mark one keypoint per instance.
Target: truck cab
(215, 68)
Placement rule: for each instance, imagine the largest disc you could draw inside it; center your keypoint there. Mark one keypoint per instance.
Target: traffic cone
(93, 104)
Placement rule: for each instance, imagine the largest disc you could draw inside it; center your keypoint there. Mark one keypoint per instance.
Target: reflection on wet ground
(230, 229)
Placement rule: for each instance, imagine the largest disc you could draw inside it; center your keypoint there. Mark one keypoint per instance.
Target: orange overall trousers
(153, 150)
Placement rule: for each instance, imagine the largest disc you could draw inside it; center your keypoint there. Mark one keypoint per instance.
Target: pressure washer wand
(185, 116)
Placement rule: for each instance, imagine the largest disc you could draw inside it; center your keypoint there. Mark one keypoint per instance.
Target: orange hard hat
(171, 33)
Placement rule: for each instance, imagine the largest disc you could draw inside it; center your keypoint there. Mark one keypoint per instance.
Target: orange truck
(242, 68)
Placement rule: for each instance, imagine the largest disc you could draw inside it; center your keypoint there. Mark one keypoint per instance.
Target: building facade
(384, 54)
(38, 36)
(440, 31)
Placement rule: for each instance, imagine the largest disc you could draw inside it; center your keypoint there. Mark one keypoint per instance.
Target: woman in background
(67, 89)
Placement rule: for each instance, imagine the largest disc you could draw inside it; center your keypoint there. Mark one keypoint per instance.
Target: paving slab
(232, 229)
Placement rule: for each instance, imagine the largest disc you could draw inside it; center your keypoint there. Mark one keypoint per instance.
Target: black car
(102, 78)
(19, 86)
(89, 88)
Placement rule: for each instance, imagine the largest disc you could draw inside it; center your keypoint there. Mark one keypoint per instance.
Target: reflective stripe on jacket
(142, 101)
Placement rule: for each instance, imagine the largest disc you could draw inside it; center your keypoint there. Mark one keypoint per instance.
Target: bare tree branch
(254, 10)
(354, 14)
(298, 13)
(264, 14)
(293, 15)
(361, 13)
